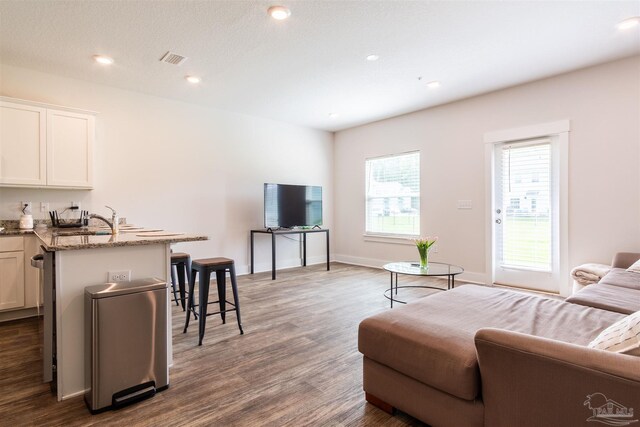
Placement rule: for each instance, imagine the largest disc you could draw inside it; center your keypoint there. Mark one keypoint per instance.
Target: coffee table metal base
(388, 294)
(434, 269)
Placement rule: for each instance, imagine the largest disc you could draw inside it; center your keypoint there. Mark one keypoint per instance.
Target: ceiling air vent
(173, 58)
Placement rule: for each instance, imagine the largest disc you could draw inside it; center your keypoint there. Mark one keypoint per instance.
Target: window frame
(559, 132)
(384, 236)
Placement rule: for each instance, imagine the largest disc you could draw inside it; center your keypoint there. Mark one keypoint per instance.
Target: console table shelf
(274, 233)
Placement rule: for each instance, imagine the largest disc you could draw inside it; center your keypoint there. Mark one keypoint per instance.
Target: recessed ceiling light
(193, 79)
(333, 115)
(434, 84)
(372, 57)
(279, 12)
(104, 60)
(629, 23)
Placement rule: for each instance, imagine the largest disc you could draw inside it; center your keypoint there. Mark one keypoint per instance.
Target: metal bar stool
(205, 267)
(180, 264)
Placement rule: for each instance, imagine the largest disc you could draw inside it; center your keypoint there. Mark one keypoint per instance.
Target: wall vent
(173, 58)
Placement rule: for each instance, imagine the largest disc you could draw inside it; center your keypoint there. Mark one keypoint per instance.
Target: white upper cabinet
(23, 152)
(69, 149)
(45, 146)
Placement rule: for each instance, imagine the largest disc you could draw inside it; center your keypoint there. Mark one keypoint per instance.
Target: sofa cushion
(624, 259)
(621, 277)
(621, 337)
(432, 340)
(607, 297)
(635, 267)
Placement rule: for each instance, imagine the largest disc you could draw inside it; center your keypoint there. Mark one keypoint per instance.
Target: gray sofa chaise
(618, 290)
(481, 356)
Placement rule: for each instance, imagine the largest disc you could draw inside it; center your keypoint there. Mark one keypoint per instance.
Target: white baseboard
(364, 262)
(24, 313)
(467, 276)
(280, 265)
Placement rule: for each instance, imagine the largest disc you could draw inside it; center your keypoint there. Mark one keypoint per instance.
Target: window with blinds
(526, 203)
(393, 195)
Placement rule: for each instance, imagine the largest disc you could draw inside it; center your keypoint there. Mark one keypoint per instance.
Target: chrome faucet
(113, 224)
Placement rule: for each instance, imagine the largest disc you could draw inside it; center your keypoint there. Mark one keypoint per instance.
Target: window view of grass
(527, 241)
(393, 194)
(525, 188)
(395, 224)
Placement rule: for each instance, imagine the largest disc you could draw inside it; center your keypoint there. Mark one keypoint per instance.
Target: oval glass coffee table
(434, 269)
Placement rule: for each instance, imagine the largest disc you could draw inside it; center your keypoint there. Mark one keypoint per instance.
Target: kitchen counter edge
(67, 243)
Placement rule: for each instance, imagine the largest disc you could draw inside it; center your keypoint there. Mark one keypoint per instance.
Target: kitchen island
(74, 260)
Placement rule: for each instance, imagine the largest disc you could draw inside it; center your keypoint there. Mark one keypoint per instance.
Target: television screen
(290, 206)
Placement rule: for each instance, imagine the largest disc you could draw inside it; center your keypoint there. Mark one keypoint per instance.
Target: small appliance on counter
(26, 219)
(81, 222)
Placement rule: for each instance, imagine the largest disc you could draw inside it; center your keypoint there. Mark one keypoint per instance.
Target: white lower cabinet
(19, 281)
(11, 273)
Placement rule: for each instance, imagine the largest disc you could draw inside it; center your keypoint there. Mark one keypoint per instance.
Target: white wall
(182, 167)
(603, 105)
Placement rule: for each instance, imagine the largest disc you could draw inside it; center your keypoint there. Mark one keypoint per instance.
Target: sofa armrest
(534, 381)
(624, 259)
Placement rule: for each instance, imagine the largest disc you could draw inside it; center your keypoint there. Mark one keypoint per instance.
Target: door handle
(498, 221)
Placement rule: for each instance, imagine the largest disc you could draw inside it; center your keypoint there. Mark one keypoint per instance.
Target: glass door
(525, 215)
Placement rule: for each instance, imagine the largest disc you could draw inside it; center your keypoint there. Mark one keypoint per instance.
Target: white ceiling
(301, 69)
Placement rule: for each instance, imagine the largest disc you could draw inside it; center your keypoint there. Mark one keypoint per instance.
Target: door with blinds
(525, 215)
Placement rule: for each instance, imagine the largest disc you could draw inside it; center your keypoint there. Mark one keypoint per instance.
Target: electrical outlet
(44, 207)
(28, 209)
(435, 248)
(464, 204)
(119, 276)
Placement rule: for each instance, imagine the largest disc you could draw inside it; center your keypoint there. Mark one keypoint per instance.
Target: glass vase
(424, 257)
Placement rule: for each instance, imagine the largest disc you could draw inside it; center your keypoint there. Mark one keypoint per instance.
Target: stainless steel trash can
(125, 342)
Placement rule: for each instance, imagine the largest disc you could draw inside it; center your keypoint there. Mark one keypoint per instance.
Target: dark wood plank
(296, 364)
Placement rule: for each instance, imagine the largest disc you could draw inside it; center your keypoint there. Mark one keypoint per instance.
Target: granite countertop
(15, 232)
(54, 239)
(11, 227)
(53, 242)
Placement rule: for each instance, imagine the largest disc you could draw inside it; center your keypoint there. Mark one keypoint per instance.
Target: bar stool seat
(180, 264)
(204, 267)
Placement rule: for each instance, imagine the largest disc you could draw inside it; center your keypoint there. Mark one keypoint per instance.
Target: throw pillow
(621, 337)
(635, 267)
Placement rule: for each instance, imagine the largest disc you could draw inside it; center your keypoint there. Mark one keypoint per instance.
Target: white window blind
(527, 206)
(393, 195)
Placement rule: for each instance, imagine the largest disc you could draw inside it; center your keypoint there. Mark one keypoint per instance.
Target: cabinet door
(11, 280)
(22, 145)
(70, 149)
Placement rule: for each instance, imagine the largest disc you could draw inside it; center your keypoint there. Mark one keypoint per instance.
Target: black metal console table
(274, 233)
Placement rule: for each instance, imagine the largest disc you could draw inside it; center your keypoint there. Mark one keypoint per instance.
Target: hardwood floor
(296, 364)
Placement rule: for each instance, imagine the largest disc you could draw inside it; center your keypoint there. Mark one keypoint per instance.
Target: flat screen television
(289, 206)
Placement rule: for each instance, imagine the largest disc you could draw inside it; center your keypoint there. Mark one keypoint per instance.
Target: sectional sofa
(483, 356)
